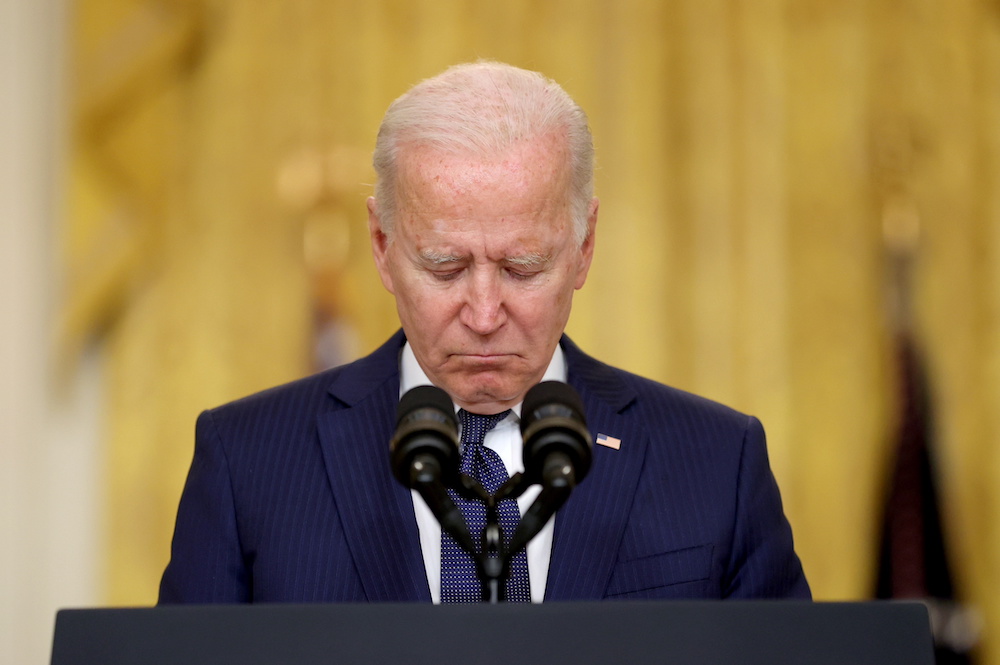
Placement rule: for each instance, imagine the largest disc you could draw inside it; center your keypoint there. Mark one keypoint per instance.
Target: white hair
(484, 109)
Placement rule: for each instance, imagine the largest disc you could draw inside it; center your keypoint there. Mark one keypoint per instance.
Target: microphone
(557, 444)
(557, 453)
(424, 447)
(424, 456)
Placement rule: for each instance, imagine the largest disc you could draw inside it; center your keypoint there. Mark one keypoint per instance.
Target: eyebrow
(532, 260)
(437, 258)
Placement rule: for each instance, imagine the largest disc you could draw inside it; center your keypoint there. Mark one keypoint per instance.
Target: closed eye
(521, 275)
(446, 275)
(442, 267)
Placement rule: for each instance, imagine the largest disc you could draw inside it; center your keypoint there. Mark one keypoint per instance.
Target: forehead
(528, 175)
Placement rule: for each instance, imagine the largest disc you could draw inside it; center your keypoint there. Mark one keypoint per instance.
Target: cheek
(542, 311)
(426, 307)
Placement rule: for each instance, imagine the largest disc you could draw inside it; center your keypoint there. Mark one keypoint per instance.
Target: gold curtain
(749, 155)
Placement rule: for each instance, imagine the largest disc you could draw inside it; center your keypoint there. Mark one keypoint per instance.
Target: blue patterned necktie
(459, 582)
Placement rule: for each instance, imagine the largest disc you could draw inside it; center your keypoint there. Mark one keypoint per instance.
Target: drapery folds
(750, 155)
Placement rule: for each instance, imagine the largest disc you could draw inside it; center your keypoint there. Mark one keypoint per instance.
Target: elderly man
(482, 227)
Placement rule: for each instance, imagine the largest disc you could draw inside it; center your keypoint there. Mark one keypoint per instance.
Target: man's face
(483, 264)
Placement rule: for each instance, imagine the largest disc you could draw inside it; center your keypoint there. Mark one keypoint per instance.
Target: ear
(587, 248)
(380, 244)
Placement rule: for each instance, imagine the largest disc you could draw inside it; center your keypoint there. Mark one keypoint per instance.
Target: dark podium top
(637, 633)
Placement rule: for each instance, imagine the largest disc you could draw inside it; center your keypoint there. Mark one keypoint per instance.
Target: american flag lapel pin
(608, 441)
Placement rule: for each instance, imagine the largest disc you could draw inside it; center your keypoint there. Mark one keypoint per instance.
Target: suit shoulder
(330, 389)
(658, 395)
(630, 384)
(689, 427)
(666, 408)
(299, 391)
(270, 419)
(346, 384)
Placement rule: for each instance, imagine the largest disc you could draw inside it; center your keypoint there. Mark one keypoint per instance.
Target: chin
(484, 395)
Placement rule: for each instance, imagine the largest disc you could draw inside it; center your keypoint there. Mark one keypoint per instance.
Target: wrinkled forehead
(528, 171)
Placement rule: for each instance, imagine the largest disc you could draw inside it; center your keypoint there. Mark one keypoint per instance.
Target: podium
(636, 633)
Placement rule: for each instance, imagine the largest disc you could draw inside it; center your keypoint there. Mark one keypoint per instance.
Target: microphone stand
(494, 555)
(424, 455)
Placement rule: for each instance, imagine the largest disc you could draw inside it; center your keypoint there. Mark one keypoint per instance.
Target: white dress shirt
(505, 440)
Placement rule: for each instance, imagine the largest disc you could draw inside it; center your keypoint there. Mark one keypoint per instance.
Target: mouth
(484, 358)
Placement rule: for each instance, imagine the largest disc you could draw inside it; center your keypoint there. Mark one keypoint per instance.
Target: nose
(483, 311)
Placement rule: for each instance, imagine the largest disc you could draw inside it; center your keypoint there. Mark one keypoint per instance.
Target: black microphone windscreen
(424, 397)
(425, 425)
(547, 394)
(552, 420)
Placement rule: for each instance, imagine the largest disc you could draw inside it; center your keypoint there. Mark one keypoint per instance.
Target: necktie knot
(475, 426)
(479, 461)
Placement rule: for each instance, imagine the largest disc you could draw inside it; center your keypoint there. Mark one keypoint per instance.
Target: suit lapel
(588, 529)
(375, 510)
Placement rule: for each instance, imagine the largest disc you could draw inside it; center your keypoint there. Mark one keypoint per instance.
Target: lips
(484, 358)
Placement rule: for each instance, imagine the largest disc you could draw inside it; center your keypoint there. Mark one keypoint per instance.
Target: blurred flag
(913, 561)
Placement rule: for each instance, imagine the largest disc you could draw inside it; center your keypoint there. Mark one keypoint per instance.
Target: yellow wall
(749, 155)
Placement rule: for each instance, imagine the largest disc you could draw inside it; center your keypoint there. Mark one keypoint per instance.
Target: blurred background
(800, 217)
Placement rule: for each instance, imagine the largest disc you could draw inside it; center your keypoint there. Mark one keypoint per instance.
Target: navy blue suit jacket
(290, 498)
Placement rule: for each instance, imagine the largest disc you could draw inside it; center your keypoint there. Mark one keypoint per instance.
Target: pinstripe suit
(290, 498)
